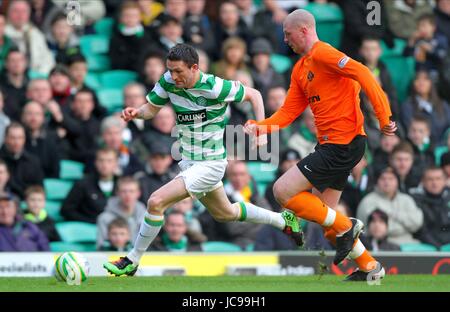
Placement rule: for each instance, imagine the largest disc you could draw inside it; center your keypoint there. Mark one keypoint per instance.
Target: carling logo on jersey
(190, 118)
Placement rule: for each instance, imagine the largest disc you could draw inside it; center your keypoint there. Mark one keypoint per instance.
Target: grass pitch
(402, 283)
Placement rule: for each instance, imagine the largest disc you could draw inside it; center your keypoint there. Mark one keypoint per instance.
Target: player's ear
(194, 67)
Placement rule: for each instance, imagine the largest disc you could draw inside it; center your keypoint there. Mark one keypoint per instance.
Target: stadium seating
(280, 63)
(70, 170)
(94, 44)
(77, 232)
(92, 80)
(98, 63)
(417, 247)
(57, 189)
(64, 246)
(402, 70)
(104, 26)
(445, 247)
(329, 22)
(220, 247)
(117, 78)
(438, 152)
(397, 49)
(112, 99)
(53, 209)
(36, 75)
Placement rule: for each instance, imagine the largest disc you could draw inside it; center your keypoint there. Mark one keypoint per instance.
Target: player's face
(182, 74)
(295, 37)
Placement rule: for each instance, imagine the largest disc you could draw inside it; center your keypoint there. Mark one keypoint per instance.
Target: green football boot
(122, 266)
(293, 228)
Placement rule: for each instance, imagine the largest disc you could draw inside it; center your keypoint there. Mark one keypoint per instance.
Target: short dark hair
(34, 189)
(403, 147)
(14, 125)
(427, 17)
(432, 168)
(76, 58)
(183, 52)
(421, 119)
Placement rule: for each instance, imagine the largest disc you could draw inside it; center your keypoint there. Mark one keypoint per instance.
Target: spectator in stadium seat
(405, 218)
(174, 236)
(62, 40)
(230, 25)
(60, 81)
(157, 171)
(5, 42)
(81, 126)
(111, 130)
(419, 138)
(153, 68)
(124, 205)
(403, 16)
(118, 237)
(88, 197)
(442, 13)
(377, 238)
(4, 177)
(381, 154)
(424, 100)
(234, 51)
(434, 200)
(42, 14)
(17, 234)
(134, 95)
(240, 187)
(35, 212)
(356, 27)
(13, 83)
(370, 52)
(39, 90)
(4, 119)
(170, 32)
(29, 39)
(25, 169)
(263, 74)
(401, 160)
(129, 39)
(428, 47)
(197, 27)
(41, 141)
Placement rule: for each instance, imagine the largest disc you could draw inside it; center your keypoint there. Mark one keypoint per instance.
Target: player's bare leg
(223, 210)
(291, 192)
(159, 201)
(366, 263)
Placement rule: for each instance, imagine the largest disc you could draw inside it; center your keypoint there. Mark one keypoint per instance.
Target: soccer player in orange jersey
(329, 82)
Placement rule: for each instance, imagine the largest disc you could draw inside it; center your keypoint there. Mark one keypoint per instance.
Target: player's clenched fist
(129, 113)
(251, 128)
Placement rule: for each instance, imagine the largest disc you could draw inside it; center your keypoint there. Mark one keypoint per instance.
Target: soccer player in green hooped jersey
(199, 101)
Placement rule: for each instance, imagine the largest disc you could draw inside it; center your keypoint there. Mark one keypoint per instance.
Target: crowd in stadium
(67, 73)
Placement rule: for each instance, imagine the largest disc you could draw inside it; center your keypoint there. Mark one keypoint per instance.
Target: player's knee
(279, 194)
(155, 204)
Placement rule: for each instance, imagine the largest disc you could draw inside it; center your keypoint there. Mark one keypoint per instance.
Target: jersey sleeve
(158, 96)
(230, 91)
(294, 104)
(336, 62)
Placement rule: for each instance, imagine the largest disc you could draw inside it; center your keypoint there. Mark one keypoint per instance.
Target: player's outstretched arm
(146, 111)
(255, 98)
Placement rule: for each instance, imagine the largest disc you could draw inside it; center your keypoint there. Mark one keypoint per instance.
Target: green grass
(403, 283)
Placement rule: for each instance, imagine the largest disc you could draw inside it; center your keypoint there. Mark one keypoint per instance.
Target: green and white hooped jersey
(200, 113)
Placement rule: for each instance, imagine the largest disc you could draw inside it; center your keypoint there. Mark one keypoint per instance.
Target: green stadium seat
(438, 152)
(53, 209)
(98, 63)
(94, 44)
(77, 232)
(220, 247)
(111, 99)
(117, 78)
(396, 50)
(36, 75)
(104, 26)
(262, 172)
(64, 246)
(250, 247)
(417, 247)
(70, 170)
(92, 80)
(56, 189)
(445, 247)
(329, 22)
(402, 70)
(280, 63)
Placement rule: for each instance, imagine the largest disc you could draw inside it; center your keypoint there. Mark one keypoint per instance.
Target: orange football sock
(309, 207)
(359, 253)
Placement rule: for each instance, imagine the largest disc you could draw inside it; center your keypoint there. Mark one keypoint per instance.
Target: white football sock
(149, 229)
(254, 214)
